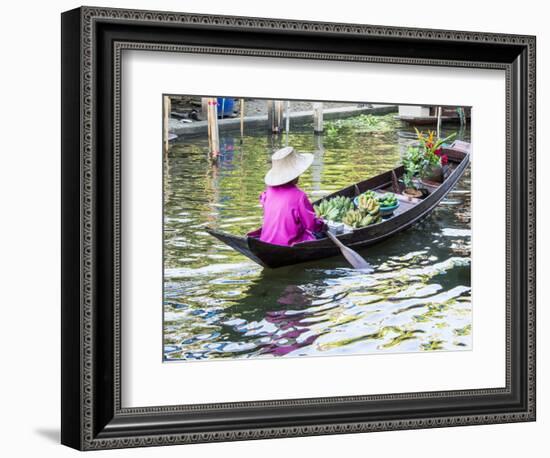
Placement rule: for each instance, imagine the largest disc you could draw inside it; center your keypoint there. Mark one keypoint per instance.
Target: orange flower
(431, 136)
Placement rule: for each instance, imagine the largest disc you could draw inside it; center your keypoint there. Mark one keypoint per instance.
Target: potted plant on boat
(436, 161)
(413, 162)
(424, 161)
(412, 188)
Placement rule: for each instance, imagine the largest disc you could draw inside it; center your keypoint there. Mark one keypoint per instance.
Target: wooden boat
(408, 213)
(428, 120)
(449, 115)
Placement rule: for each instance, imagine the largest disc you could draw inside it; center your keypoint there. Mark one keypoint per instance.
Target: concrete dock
(259, 121)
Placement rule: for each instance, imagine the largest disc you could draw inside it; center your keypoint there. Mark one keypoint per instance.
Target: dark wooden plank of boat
(427, 120)
(238, 243)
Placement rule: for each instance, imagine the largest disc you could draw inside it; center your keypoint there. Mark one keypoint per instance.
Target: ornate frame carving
(99, 429)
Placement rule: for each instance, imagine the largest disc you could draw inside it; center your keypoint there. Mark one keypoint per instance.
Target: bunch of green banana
(326, 211)
(334, 209)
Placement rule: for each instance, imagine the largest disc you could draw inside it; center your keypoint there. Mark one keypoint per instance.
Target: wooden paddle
(356, 261)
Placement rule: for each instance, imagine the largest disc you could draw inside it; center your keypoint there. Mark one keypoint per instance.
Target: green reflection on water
(218, 304)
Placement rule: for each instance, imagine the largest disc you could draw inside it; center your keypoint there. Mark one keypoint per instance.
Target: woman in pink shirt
(289, 217)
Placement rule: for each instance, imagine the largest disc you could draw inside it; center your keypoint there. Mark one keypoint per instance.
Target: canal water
(219, 304)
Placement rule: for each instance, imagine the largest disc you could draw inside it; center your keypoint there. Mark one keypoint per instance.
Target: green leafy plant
(415, 164)
(408, 180)
(364, 123)
(420, 159)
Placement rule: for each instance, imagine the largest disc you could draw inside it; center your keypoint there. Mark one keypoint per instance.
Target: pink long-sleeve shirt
(289, 217)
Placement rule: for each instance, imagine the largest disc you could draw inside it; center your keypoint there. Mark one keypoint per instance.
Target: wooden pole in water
(213, 133)
(274, 115)
(270, 115)
(461, 115)
(204, 108)
(166, 108)
(318, 117)
(279, 111)
(287, 121)
(317, 166)
(438, 122)
(242, 118)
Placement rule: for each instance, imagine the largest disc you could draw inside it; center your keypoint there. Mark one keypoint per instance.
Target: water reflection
(218, 304)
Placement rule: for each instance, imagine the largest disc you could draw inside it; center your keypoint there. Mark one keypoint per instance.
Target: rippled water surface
(219, 304)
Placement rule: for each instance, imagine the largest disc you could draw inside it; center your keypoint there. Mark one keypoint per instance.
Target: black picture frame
(92, 40)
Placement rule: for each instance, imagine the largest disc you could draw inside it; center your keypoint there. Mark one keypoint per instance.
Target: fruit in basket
(366, 202)
(388, 200)
(364, 198)
(370, 193)
(373, 208)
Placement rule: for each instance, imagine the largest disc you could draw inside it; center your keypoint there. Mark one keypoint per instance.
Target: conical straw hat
(286, 165)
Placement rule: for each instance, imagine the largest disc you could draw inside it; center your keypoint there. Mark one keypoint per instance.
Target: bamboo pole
(213, 133)
(279, 111)
(270, 115)
(318, 163)
(461, 115)
(287, 121)
(166, 108)
(204, 108)
(274, 115)
(242, 119)
(318, 117)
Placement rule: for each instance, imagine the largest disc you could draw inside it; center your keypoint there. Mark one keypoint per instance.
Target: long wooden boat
(449, 115)
(428, 120)
(408, 213)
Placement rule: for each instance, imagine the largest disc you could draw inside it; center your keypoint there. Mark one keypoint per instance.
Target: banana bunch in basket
(369, 204)
(367, 213)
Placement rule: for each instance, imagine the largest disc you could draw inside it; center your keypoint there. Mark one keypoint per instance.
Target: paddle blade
(356, 261)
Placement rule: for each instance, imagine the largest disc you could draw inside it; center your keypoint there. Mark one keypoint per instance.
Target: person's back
(289, 217)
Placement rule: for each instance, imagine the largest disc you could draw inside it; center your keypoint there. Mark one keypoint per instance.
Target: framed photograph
(276, 228)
